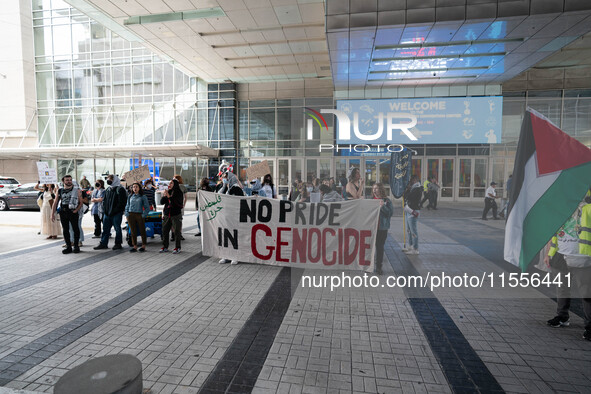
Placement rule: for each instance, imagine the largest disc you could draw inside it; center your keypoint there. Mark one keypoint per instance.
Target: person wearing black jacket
(205, 187)
(172, 216)
(114, 202)
(412, 198)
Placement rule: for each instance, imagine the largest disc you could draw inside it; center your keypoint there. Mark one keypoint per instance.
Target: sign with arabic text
(336, 235)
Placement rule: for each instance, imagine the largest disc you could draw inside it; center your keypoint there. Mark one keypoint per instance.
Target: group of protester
(108, 204)
(68, 204)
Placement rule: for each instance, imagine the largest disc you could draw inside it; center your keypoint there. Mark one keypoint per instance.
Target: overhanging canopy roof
(109, 152)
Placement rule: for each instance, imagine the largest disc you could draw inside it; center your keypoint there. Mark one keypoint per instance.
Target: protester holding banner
(386, 211)
(172, 215)
(295, 191)
(412, 198)
(305, 190)
(204, 185)
(231, 186)
(355, 185)
(329, 195)
(48, 227)
(269, 187)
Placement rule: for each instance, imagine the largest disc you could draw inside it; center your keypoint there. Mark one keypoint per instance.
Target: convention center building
(314, 87)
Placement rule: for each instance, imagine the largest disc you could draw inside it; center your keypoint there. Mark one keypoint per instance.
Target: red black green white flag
(552, 173)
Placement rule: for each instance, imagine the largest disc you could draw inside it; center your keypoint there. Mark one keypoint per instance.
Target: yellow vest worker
(585, 231)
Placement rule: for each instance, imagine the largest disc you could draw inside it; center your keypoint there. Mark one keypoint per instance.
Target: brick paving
(185, 317)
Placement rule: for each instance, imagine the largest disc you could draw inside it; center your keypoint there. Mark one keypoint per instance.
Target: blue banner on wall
(444, 120)
(400, 169)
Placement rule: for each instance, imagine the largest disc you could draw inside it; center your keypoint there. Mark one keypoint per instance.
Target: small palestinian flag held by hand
(552, 173)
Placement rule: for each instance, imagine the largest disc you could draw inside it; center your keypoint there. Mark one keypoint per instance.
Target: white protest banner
(46, 175)
(258, 170)
(137, 174)
(337, 235)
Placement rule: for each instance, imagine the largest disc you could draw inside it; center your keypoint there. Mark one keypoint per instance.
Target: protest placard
(46, 175)
(338, 235)
(258, 170)
(137, 175)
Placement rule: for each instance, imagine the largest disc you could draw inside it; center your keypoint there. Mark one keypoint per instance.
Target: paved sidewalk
(198, 326)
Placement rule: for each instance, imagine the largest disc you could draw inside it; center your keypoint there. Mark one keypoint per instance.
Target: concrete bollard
(114, 374)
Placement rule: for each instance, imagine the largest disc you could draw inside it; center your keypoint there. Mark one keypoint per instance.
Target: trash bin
(118, 373)
(158, 197)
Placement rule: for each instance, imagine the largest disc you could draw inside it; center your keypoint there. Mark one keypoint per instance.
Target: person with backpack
(114, 202)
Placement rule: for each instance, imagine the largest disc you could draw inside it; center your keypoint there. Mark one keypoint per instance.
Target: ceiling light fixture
(448, 44)
(429, 70)
(175, 16)
(389, 59)
(422, 79)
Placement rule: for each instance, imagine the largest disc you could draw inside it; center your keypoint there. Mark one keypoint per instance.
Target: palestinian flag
(552, 173)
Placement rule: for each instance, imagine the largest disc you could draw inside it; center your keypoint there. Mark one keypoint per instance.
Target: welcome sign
(336, 235)
(438, 120)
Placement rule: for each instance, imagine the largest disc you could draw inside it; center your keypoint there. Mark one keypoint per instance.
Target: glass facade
(96, 89)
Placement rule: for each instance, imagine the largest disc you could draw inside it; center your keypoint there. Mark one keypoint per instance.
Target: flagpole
(403, 224)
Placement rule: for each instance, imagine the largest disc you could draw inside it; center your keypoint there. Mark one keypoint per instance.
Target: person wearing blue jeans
(412, 198)
(114, 202)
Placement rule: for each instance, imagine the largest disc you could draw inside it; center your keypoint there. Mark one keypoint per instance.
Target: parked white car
(8, 183)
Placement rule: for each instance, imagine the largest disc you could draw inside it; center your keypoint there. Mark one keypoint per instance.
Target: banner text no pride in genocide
(274, 232)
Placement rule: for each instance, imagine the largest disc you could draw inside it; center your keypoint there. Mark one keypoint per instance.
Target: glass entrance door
(443, 171)
(465, 178)
(447, 178)
(471, 177)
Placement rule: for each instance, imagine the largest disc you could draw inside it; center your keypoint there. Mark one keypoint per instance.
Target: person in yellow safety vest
(570, 252)
(425, 192)
(585, 229)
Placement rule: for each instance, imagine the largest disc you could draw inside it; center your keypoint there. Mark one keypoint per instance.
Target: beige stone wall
(24, 171)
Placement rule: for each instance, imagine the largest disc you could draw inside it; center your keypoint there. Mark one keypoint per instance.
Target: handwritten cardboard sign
(137, 175)
(258, 170)
(46, 175)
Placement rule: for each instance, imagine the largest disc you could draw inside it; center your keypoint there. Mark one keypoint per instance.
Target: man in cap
(489, 201)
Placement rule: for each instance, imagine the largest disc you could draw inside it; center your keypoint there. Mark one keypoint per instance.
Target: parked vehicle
(23, 197)
(8, 183)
